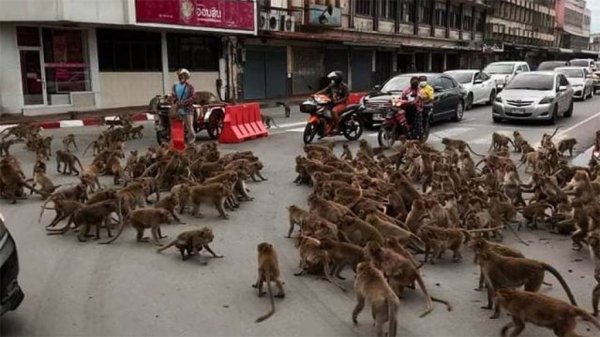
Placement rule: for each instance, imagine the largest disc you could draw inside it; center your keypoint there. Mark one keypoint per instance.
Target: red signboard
(219, 14)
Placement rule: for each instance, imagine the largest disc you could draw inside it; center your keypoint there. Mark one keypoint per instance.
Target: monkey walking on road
(268, 271)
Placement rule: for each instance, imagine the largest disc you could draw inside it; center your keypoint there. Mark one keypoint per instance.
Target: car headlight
(547, 100)
(498, 99)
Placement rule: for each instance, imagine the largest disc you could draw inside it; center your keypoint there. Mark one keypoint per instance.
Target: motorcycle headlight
(547, 100)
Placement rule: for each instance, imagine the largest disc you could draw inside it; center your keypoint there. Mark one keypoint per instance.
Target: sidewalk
(583, 158)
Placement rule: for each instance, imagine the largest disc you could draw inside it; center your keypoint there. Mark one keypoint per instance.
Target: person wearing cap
(183, 98)
(338, 91)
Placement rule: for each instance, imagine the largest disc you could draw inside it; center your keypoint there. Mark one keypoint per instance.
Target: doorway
(32, 77)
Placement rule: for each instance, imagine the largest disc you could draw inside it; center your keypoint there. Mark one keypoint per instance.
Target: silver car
(540, 95)
(581, 83)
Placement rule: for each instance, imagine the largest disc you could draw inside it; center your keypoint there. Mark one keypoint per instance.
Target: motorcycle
(396, 125)
(208, 116)
(319, 108)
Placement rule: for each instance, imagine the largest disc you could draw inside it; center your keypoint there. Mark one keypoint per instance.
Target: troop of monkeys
(365, 212)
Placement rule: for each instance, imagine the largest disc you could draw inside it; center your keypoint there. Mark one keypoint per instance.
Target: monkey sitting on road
(268, 271)
(190, 243)
(542, 310)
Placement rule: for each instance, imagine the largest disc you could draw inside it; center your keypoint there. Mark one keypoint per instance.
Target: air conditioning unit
(263, 21)
(274, 22)
(289, 23)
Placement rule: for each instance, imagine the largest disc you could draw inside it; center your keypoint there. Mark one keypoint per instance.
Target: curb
(90, 121)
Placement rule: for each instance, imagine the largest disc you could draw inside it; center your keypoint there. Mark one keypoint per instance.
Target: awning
(566, 51)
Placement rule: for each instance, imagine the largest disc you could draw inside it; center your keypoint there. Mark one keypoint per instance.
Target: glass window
(65, 63)
(447, 83)
(563, 80)
(28, 37)
(407, 11)
(440, 14)
(571, 72)
(127, 50)
(455, 17)
(396, 84)
(467, 19)
(499, 68)
(193, 52)
(363, 7)
(461, 76)
(531, 81)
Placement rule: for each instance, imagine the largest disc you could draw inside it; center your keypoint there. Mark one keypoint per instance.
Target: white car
(503, 72)
(590, 64)
(480, 87)
(581, 83)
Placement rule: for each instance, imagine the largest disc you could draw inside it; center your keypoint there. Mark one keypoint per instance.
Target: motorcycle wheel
(161, 137)
(426, 129)
(352, 128)
(310, 131)
(215, 124)
(386, 137)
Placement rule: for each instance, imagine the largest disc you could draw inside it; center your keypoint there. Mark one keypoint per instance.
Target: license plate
(378, 117)
(518, 111)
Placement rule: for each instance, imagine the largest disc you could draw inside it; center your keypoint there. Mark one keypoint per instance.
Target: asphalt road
(126, 288)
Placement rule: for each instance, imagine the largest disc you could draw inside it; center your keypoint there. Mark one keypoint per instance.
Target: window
(455, 17)
(478, 22)
(467, 19)
(127, 50)
(563, 80)
(407, 11)
(484, 76)
(193, 52)
(447, 83)
(425, 12)
(389, 8)
(363, 7)
(440, 14)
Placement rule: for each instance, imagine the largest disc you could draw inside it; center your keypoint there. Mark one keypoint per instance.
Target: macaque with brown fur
(459, 145)
(518, 141)
(97, 214)
(68, 140)
(566, 144)
(479, 244)
(5, 146)
(341, 254)
(371, 286)
(64, 208)
(12, 179)
(169, 203)
(214, 193)
(346, 154)
(69, 160)
(190, 243)
(500, 141)
(297, 216)
(47, 187)
(541, 310)
(143, 218)
(268, 271)
(594, 246)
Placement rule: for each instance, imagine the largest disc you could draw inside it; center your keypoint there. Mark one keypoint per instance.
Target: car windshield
(580, 63)
(550, 65)
(572, 73)
(499, 68)
(461, 77)
(532, 82)
(396, 84)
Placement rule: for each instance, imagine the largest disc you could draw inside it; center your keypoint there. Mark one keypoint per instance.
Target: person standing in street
(183, 98)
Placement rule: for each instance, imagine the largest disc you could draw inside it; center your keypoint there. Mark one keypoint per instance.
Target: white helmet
(183, 72)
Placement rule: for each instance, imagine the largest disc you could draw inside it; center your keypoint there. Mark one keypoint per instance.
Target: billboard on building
(235, 15)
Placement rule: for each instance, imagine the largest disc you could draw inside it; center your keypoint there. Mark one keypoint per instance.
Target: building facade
(65, 55)
(300, 41)
(573, 19)
(595, 42)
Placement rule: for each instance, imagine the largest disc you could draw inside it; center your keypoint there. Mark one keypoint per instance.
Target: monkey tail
(270, 313)
(562, 281)
(585, 315)
(88, 147)
(44, 208)
(428, 300)
(170, 244)
(516, 235)
(123, 223)
(393, 304)
(555, 131)
(32, 188)
(473, 152)
(439, 300)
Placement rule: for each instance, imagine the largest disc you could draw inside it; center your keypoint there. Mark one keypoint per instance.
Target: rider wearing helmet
(338, 91)
(183, 98)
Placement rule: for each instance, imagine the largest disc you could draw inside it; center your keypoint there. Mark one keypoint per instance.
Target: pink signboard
(219, 14)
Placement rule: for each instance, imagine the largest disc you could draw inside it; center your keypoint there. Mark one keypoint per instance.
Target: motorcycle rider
(338, 91)
(414, 111)
(183, 97)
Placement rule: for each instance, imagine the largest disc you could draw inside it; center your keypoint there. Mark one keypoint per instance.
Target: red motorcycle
(396, 125)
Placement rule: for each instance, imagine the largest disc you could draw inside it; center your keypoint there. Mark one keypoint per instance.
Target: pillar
(165, 63)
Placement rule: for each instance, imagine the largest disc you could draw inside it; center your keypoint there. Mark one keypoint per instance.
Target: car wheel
(554, 115)
(460, 110)
(469, 104)
(492, 97)
(569, 112)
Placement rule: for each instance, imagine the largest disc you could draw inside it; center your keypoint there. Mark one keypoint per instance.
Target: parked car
(595, 76)
(590, 64)
(540, 95)
(11, 294)
(502, 72)
(480, 87)
(449, 100)
(551, 65)
(581, 83)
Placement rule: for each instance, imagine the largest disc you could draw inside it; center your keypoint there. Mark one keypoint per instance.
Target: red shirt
(411, 94)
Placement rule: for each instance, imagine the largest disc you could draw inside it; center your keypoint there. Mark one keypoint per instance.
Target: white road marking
(453, 132)
(296, 130)
(563, 134)
(289, 125)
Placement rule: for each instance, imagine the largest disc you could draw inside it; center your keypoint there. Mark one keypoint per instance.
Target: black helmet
(336, 76)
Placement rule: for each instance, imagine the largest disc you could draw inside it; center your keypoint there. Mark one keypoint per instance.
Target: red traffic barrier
(355, 97)
(177, 134)
(242, 122)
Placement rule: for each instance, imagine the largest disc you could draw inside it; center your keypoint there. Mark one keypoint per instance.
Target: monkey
(542, 310)
(169, 203)
(388, 229)
(340, 254)
(254, 171)
(286, 109)
(69, 160)
(91, 215)
(534, 212)
(149, 187)
(566, 144)
(479, 244)
(371, 286)
(215, 193)
(417, 212)
(68, 140)
(581, 186)
(593, 239)
(596, 292)
(76, 193)
(131, 161)
(268, 271)
(346, 154)
(64, 208)
(510, 272)
(143, 218)
(359, 231)
(182, 191)
(365, 148)
(297, 216)
(192, 242)
(440, 239)
(12, 179)
(102, 195)
(499, 141)
(547, 139)
(459, 144)
(39, 165)
(5, 146)
(137, 132)
(47, 187)
(268, 120)
(97, 147)
(518, 141)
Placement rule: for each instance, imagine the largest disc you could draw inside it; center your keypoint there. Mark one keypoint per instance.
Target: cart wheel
(215, 124)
